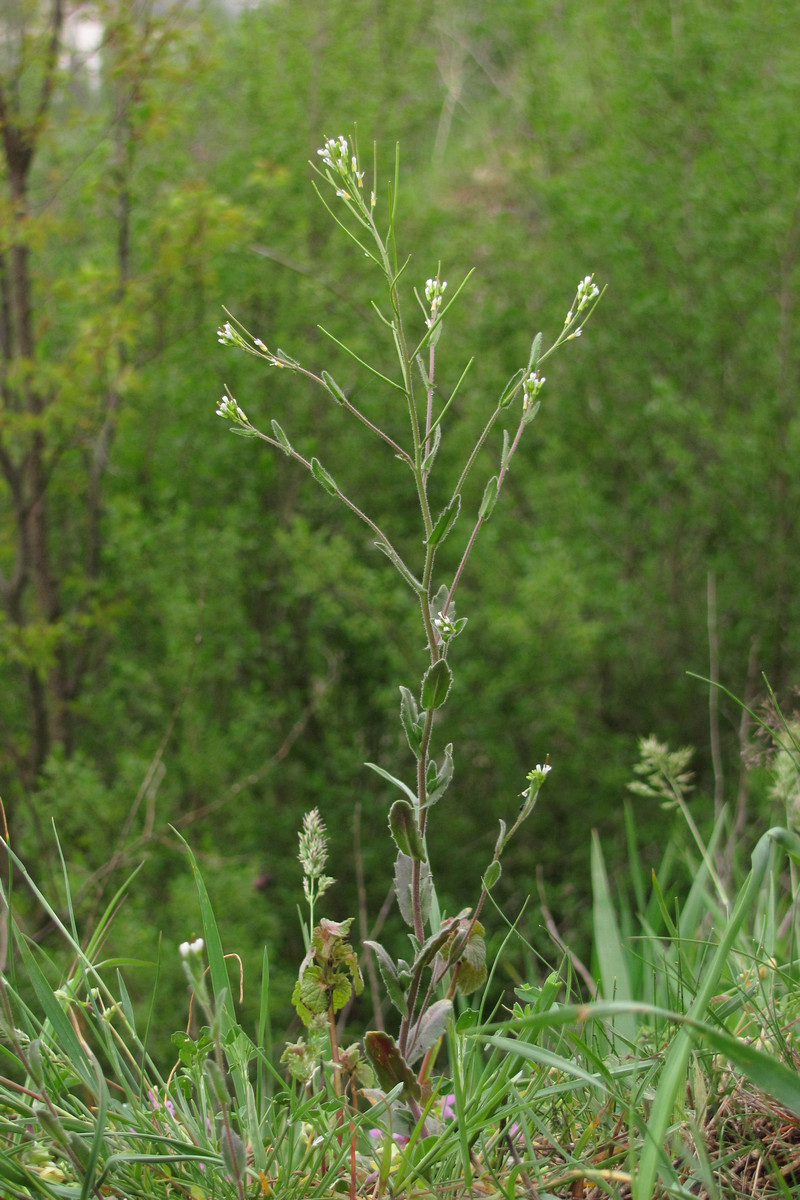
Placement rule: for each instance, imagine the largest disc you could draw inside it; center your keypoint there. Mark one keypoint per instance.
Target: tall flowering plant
(448, 953)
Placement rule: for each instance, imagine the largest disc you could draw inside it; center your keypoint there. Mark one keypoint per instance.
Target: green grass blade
(608, 944)
(218, 969)
(673, 1077)
(55, 1015)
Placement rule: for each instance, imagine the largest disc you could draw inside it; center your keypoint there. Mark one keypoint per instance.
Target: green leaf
(322, 477)
(405, 830)
(220, 982)
(511, 388)
(432, 945)
(467, 1019)
(506, 450)
(403, 872)
(531, 412)
(392, 779)
(762, 1069)
(429, 1028)
(492, 875)
(411, 721)
(442, 776)
(444, 522)
(390, 1066)
(614, 977)
(402, 887)
(536, 350)
(395, 558)
(427, 462)
(490, 494)
(281, 437)
(436, 683)
(390, 978)
(333, 388)
(472, 963)
(55, 1014)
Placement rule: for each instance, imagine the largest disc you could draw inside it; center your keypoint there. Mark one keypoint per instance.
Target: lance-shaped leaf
(429, 1028)
(390, 977)
(333, 387)
(322, 476)
(439, 778)
(506, 451)
(405, 830)
(392, 779)
(281, 437)
(436, 683)
(413, 723)
(531, 412)
(427, 462)
(403, 874)
(490, 494)
(444, 522)
(395, 558)
(431, 947)
(390, 1066)
(536, 350)
(511, 388)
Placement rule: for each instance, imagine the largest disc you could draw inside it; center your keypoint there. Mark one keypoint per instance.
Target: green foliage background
(244, 640)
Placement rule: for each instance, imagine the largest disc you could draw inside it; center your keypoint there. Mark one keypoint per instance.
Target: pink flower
(400, 1138)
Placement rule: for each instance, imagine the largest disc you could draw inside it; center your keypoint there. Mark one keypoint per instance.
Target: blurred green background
(193, 634)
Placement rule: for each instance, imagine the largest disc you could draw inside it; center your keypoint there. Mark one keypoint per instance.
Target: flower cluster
(227, 407)
(447, 628)
(335, 153)
(343, 168)
(587, 291)
(434, 291)
(229, 335)
(536, 777)
(531, 386)
(191, 949)
(314, 854)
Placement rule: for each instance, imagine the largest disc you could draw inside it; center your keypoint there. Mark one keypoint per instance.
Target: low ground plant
(666, 1067)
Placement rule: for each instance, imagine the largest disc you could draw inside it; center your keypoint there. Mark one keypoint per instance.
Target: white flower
(191, 949)
(227, 407)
